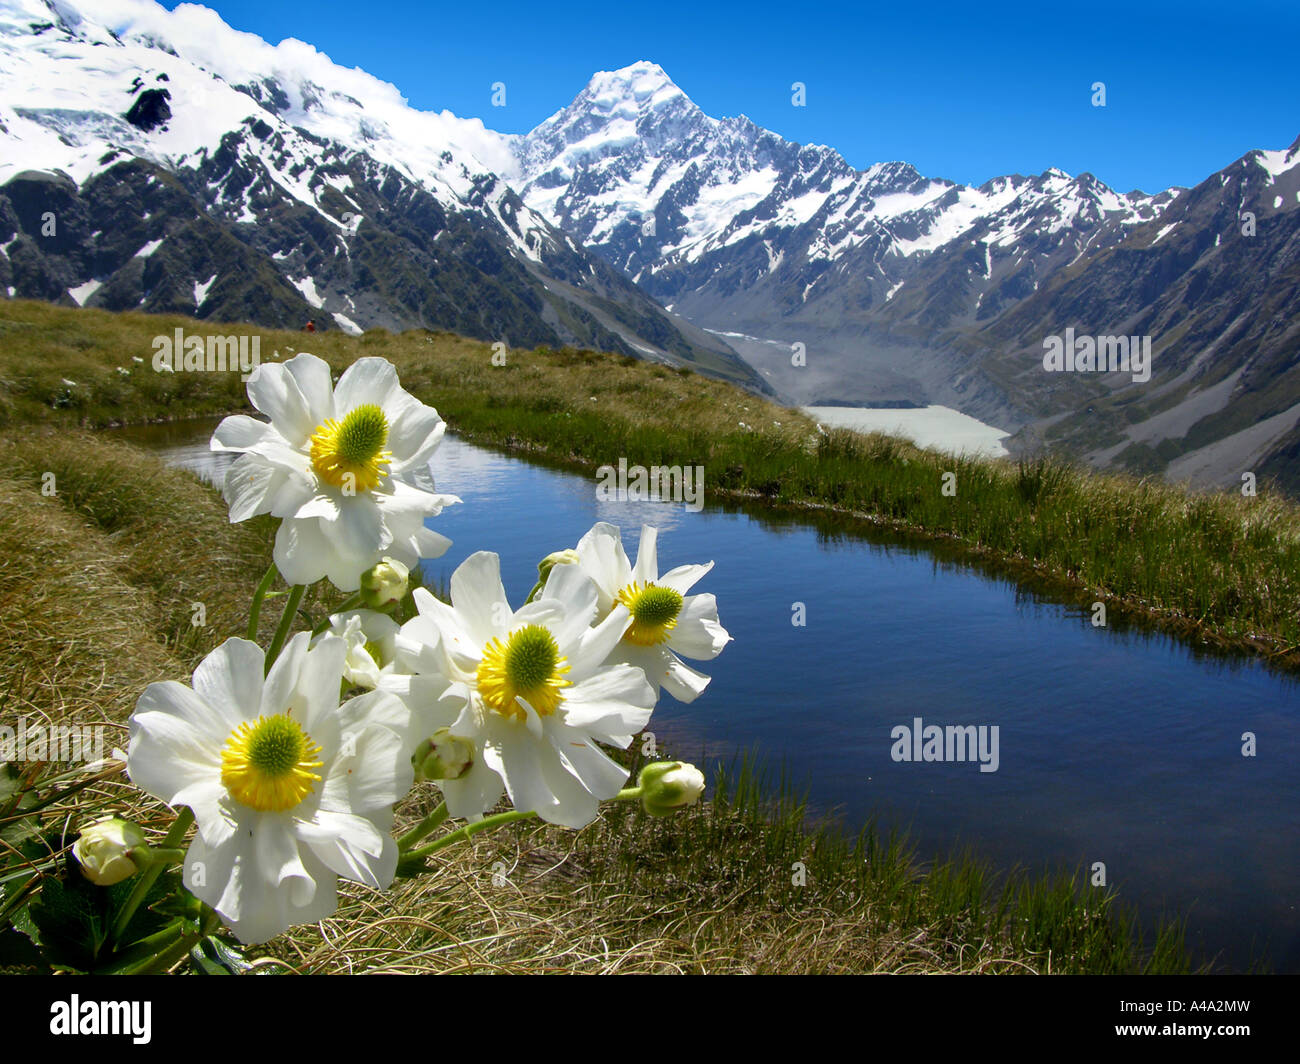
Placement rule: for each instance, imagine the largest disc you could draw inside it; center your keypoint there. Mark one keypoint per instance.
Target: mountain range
(197, 169)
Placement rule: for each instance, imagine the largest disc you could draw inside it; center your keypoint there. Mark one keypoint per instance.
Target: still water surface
(1115, 746)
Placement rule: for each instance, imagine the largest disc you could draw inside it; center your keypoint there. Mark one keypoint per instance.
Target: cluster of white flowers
(291, 784)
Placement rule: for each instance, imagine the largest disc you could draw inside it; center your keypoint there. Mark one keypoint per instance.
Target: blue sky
(958, 90)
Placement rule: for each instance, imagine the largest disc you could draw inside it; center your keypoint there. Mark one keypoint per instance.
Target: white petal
(367, 380)
(413, 504)
(312, 375)
(259, 881)
(474, 793)
(358, 531)
(414, 431)
(215, 813)
(303, 555)
(576, 593)
(350, 846)
(230, 680)
(681, 681)
(598, 774)
(239, 432)
(304, 682)
(616, 702)
(290, 494)
(480, 598)
(598, 643)
(248, 485)
(646, 570)
(430, 544)
(533, 774)
(684, 577)
(213, 724)
(459, 646)
(167, 754)
(698, 634)
(275, 392)
(601, 555)
(279, 860)
(373, 768)
(320, 676)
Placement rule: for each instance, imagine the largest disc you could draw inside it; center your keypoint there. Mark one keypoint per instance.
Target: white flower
(103, 850)
(346, 467)
(666, 620)
(527, 689)
(370, 639)
(289, 789)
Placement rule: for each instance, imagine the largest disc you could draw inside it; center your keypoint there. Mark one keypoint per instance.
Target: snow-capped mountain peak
(635, 89)
(634, 168)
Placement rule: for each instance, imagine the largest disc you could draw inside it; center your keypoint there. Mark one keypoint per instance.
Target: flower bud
(109, 851)
(669, 785)
(559, 557)
(569, 556)
(384, 585)
(443, 756)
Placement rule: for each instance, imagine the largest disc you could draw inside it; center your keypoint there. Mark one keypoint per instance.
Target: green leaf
(15, 796)
(71, 922)
(214, 957)
(19, 955)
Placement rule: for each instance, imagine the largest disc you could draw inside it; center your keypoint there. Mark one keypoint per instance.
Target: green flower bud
(110, 851)
(384, 585)
(559, 557)
(569, 556)
(669, 785)
(443, 756)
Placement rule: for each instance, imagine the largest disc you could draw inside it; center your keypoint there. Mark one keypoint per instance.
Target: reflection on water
(1117, 745)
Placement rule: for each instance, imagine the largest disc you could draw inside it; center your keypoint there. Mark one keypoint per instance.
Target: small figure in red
(310, 326)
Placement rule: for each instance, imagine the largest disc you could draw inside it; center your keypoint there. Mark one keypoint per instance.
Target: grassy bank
(96, 591)
(1215, 568)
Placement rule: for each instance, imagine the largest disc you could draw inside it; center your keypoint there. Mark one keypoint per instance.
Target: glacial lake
(938, 427)
(1119, 746)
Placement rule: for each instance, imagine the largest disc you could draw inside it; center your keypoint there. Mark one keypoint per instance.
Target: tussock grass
(77, 639)
(712, 891)
(169, 533)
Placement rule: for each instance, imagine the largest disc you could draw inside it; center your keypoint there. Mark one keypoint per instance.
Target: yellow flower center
(350, 453)
(654, 612)
(267, 763)
(527, 665)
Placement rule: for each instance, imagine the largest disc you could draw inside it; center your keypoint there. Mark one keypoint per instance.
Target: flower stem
(174, 946)
(490, 823)
(462, 834)
(422, 828)
(255, 611)
(150, 875)
(286, 622)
